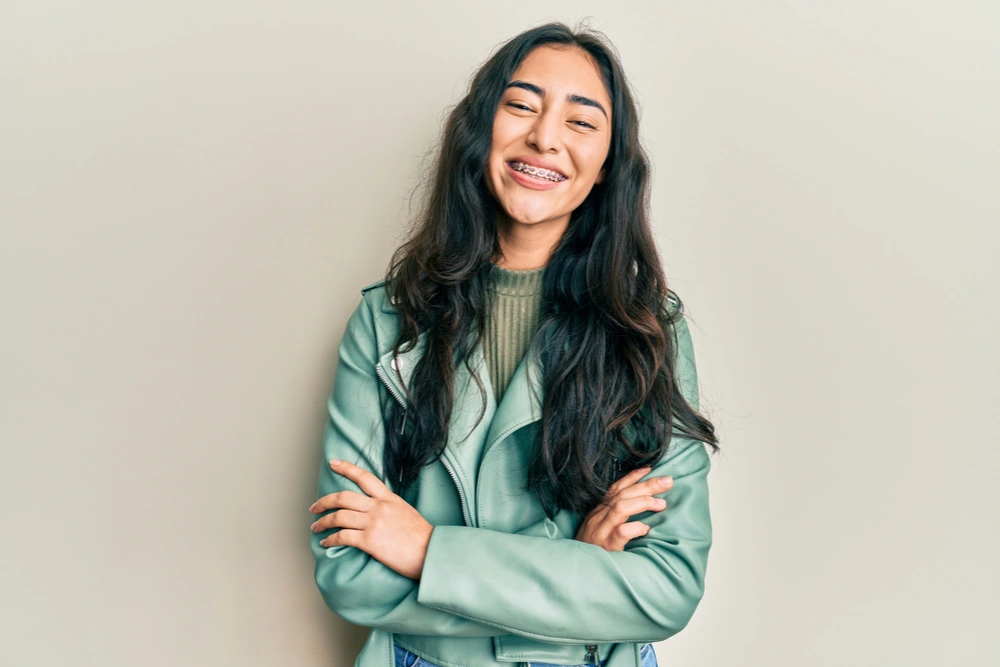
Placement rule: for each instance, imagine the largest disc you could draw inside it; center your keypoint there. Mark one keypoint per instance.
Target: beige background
(193, 192)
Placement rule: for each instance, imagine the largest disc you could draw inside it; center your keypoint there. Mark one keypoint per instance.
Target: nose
(544, 133)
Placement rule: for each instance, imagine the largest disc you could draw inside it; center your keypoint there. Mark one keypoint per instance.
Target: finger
(648, 488)
(597, 516)
(340, 519)
(625, 532)
(614, 511)
(626, 507)
(342, 499)
(347, 537)
(627, 480)
(368, 482)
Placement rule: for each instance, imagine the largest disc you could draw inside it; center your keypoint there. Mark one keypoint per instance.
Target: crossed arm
(477, 582)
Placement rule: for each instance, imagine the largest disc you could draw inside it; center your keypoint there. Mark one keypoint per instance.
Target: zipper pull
(592, 654)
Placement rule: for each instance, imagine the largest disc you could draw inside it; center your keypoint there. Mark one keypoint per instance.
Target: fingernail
(335, 462)
(666, 481)
(661, 503)
(313, 527)
(312, 508)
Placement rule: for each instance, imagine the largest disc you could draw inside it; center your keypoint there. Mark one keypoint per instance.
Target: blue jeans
(405, 658)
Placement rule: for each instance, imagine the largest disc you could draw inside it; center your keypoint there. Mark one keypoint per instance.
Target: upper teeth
(537, 172)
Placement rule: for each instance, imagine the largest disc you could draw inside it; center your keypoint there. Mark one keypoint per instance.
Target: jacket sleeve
(356, 586)
(570, 591)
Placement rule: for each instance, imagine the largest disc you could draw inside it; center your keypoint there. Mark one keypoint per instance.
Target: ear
(600, 176)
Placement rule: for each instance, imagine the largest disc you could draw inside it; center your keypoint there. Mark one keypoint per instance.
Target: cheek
(505, 133)
(494, 175)
(595, 160)
(591, 168)
(496, 152)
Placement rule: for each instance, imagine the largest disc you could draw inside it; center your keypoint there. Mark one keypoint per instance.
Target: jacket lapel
(521, 403)
(522, 400)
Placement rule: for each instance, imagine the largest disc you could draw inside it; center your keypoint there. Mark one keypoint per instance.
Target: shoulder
(377, 296)
(372, 286)
(676, 315)
(685, 367)
(672, 305)
(376, 299)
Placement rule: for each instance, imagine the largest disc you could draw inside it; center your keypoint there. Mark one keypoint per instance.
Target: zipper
(395, 394)
(592, 654)
(465, 508)
(461, 497)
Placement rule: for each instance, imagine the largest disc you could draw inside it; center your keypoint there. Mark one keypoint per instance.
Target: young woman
(516, 403)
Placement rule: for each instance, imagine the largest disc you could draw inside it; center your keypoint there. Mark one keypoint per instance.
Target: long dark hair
(610, 337)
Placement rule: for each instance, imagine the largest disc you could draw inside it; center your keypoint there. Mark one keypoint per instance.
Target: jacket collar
(521, 403)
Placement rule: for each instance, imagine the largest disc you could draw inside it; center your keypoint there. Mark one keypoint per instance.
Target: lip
(528, 182)
(536, 162)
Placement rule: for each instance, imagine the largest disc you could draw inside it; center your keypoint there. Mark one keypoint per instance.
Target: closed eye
(527, 108)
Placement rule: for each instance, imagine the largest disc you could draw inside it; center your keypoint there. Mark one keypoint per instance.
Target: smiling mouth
(536, 172)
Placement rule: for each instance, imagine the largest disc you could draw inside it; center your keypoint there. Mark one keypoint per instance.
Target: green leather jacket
(501, 582)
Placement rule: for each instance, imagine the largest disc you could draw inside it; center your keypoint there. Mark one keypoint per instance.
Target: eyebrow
(572, 98)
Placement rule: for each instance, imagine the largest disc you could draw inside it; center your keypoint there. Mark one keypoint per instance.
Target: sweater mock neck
(516, 282)
(512, 321)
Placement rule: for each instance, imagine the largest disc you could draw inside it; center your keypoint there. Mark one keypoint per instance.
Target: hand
(380, 523)
(606, 524)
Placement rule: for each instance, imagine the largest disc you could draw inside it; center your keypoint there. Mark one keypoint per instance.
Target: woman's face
(555, 113)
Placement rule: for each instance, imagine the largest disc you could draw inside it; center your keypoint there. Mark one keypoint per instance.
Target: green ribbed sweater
(512, 322)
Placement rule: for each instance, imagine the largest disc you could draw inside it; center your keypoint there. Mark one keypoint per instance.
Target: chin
(529, 218)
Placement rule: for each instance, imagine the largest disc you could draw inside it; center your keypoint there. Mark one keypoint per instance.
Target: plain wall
(192, 194)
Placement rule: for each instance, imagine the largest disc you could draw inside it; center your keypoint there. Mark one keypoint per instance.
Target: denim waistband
(405, 658)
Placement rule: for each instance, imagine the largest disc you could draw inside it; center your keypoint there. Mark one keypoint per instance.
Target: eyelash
(521, 106)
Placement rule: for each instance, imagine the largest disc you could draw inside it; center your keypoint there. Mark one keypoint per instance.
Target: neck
(529, 246)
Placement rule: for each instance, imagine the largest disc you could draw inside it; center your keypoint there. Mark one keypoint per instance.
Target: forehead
(563, 69)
